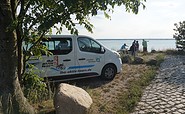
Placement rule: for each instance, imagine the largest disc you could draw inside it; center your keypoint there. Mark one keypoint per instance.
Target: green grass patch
(160, 59)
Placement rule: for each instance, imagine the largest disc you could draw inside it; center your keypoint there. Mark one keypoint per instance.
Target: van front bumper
(119, 66)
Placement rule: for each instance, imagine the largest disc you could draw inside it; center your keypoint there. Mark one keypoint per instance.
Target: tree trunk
(11, 95)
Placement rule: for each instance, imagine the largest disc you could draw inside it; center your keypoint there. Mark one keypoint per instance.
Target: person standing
(144, 43)
(133, 48)
(137, 47)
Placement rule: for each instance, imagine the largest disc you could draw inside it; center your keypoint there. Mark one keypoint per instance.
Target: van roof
(65, 36)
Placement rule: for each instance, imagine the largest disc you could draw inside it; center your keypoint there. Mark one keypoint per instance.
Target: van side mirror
(102, 49)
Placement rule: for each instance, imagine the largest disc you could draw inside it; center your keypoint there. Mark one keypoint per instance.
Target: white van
(76, 57)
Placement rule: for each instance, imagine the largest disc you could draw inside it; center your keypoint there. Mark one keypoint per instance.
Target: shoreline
(137, 39)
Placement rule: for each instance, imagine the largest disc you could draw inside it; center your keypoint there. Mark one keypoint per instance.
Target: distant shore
(138, 39)
(153, 44)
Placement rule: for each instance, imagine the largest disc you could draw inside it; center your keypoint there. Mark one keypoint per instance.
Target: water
(153, 44)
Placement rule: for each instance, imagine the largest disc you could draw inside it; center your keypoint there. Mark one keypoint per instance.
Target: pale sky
(156, 21)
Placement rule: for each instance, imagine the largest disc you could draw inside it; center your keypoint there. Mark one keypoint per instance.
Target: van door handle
(67, 60)
(81, 59)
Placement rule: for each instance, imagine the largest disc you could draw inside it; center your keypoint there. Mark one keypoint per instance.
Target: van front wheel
(108, 72)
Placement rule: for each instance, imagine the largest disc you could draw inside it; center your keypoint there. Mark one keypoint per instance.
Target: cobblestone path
(166, 94)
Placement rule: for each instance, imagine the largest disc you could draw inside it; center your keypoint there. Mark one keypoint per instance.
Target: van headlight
(117, 54)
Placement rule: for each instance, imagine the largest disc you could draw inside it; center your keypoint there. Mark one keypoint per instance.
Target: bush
(35, 89)
(180, 35)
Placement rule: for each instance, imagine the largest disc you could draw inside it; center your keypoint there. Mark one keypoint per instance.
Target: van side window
(88, 45)
(59, 46)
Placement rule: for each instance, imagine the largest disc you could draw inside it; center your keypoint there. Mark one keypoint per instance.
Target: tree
(29, 21)
(180, 35)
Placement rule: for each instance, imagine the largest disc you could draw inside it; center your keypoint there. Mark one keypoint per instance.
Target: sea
(153, 44)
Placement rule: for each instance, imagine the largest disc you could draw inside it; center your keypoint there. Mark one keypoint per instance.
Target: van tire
(108, 72)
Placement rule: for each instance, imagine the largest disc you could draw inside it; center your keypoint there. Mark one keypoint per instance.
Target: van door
(90, 57)
(62, 60)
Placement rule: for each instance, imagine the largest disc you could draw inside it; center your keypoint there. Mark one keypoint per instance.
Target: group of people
(134, 48)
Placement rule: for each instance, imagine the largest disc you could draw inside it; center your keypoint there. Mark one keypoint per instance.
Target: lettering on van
(48, 63)
(74, 71)
(93, 60)
(51, 63)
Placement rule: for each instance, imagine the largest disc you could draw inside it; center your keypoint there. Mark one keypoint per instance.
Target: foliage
(36, 18)
(34, 87)
(180, 35)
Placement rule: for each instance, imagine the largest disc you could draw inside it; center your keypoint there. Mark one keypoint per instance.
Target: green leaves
(37, 17)
(44, 14)
(34, 87)
(180, 35)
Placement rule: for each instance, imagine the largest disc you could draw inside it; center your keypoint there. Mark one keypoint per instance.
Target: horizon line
(136, 39)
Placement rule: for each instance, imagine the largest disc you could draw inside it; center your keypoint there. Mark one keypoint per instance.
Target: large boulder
(70, 99)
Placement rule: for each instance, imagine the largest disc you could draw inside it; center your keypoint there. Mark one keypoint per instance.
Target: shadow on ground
(91, 83)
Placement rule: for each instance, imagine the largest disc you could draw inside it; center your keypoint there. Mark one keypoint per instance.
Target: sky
(155, 21)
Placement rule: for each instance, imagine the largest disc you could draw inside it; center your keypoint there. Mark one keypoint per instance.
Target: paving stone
(141, 112)
(180, 106)
(177, 102)
(181, 111)
(157, 107)
(171, 103)
(162, 103)
(179, 99)
(176, 113)
(173, 109)
(183, 100)
(168, 106)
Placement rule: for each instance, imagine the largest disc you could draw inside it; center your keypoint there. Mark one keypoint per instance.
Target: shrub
(180, 35)
(35, 89)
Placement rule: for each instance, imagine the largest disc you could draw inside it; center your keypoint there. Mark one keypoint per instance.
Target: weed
(160, 59)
